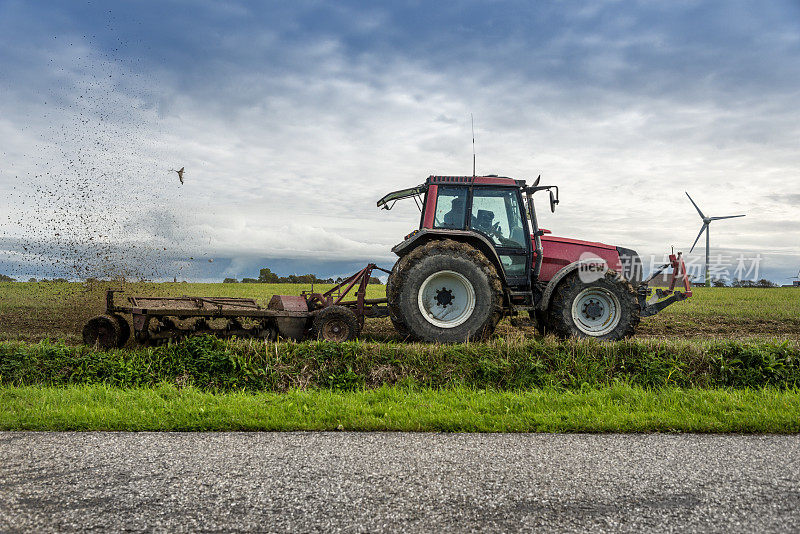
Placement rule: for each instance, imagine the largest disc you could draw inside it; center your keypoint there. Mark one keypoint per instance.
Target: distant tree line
(266, 276)
(6, 278)
(720, 282)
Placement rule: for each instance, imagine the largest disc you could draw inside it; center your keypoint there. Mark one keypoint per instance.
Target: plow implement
(335, 315)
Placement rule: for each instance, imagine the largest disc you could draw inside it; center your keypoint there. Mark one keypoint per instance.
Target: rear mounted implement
(335, 315)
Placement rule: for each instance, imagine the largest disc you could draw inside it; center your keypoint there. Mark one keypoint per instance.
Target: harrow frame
(157, 320)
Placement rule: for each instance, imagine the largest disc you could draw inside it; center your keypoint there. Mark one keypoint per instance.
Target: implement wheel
(102, 332)
(336, 324)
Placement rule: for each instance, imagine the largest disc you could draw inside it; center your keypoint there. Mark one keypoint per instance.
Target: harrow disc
(124, 330)
(103, 331)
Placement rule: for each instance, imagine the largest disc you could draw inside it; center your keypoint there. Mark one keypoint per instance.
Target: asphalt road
(367, 482)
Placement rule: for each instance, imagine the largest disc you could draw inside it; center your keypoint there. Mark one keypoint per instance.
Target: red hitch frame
(336, 295)
(651, 306)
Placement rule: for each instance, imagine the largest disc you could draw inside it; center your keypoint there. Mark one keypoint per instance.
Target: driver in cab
(455, 217)
(484, 221)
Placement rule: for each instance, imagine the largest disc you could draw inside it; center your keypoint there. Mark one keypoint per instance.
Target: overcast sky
(291, 119)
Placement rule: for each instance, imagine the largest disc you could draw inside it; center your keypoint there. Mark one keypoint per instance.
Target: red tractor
(479, 255)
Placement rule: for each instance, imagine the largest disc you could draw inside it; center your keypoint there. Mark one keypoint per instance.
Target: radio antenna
(472, 120)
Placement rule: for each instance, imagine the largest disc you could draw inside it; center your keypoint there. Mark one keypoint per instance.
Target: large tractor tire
(605, 309)
(445, 291)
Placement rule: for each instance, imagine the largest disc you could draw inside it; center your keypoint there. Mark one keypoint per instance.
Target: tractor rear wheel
(446, 291)
(102, 331)
(604, 309)
(336, 324)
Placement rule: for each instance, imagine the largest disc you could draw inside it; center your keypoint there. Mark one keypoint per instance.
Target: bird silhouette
(180, 174)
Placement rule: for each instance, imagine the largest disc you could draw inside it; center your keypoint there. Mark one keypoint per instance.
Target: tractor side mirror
(553, 202)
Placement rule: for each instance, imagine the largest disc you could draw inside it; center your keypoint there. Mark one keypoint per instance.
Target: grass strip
(620, 408)
(512, 363)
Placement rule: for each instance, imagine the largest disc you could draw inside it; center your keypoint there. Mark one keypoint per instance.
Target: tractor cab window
(497, 214)
(451, 208)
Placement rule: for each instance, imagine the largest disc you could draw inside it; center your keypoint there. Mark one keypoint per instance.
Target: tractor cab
(486, 211)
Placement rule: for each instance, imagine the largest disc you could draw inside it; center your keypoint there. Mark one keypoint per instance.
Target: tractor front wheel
(604, 309)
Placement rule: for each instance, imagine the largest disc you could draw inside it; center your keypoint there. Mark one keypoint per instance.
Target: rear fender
(424, 235)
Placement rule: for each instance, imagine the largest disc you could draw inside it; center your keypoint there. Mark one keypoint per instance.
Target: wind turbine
(705, 228)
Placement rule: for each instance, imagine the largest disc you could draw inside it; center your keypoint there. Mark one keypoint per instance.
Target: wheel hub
(444, 297)
(593, 309)
(334, 331)
(596, 311)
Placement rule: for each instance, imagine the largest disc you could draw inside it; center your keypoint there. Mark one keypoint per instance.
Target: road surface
(368, 482)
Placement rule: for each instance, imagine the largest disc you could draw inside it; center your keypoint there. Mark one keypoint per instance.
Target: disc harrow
(160, 320)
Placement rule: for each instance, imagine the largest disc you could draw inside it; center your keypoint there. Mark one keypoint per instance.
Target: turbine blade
(695, 206)
(703, 229)
(726, 217)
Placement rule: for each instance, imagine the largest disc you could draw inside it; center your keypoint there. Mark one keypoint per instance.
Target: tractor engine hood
(558, 252)
(578, 242)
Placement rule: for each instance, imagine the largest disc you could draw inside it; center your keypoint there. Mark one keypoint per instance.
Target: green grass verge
(214, 365)
(620, 408)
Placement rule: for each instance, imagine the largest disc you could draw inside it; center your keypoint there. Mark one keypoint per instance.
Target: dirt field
(36, 311)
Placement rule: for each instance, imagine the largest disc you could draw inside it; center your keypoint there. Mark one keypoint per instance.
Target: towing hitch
(650, 301)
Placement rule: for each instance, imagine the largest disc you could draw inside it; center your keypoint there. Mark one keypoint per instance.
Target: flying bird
(180, 174)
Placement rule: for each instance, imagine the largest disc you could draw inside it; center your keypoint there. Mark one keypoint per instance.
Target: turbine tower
(705, 228)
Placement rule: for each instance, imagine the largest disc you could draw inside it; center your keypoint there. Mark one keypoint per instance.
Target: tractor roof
(491, 179)
(388, 200)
